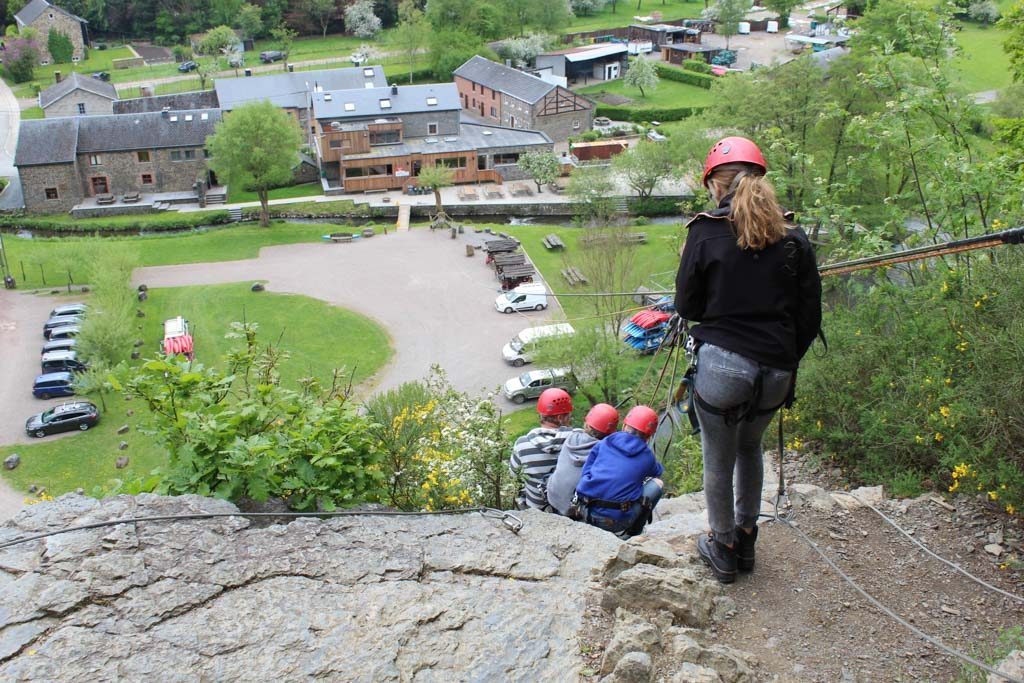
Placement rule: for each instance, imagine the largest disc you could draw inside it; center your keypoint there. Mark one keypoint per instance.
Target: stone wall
(124, 171)
(68, 105)
(35, 180)
(63, 22)
(561, 127)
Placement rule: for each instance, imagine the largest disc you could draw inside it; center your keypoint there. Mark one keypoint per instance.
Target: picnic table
(521, 190)
(468, 194)
(105, 198)
(573, 276)
(506, 244)
(493, 192)
(507, 260)
(339, 237)
(513, 276)
(627, 237)
(131, 197)
(553, 241)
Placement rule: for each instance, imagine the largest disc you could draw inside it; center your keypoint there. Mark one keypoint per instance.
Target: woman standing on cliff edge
(751, 283)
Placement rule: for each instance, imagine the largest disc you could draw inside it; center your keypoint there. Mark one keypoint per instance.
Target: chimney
(56, 76)
(394, 88)
(145, 91)
(248, 72)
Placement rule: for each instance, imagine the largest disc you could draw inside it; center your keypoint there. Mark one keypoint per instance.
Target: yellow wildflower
(920, 439)
(1010, 509)
(939, 437)
(945, 411)
(993, 495)
(954, 486)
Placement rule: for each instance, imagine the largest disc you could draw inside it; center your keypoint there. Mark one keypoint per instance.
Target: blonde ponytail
(755, 210)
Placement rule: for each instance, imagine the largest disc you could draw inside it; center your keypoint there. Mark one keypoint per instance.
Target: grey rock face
(354, 598)
(635, 667)
(631, 634)
(679, 591)
(1013, 666)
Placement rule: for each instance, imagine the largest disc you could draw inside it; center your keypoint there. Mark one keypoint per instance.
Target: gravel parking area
(435, 302)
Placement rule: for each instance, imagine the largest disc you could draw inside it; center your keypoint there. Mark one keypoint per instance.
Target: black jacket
(765, 305)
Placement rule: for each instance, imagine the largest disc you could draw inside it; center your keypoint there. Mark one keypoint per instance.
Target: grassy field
(625, 11)
(215, 244)
(32, 113)
(304, 190)
(319, 337)
(983, 65)
(188, 84)
(667, 94)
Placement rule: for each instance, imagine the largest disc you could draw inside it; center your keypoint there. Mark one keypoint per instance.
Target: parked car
(268, 56)
(519, 351)
(528, 297)
(67, 344)
(59, 361)
(63, 418)
(59, 321)
(236, 60)
(101, 76)
(185, 67)
(69, 309)
(54, 384)
(64, 332)
(531, 384)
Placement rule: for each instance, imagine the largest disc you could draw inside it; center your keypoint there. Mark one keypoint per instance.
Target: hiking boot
(745, 549)
(720, 558)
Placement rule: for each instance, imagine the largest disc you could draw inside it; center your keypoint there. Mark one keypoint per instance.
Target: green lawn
(983, 64)
(304, 190)
(311, 47)
(318, 336)
(215, 244)
(190, 84)
(625, 10)
(32, 113)
(667, 94)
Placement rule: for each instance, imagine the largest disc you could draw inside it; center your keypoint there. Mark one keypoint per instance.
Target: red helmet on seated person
(602, 418)
(642, 419)
(554, 402)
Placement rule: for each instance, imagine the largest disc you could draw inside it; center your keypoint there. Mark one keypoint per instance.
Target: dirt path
(436, 304)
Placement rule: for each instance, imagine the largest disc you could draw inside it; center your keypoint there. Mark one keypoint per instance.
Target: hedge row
(156, 222)
(697, 65)
(642, 115)
(682, 76)
(653, 206)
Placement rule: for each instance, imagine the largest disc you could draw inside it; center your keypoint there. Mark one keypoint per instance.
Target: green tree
(641, 74)
(323, 12)
(730, 13)
(411, 35)
(1013, 45)
(919, 28)
(543, 167)
(645, 165)
(60, 47)
(283, 38)
(255, 148)
(20, 59)
(783, 8)
(224, 12)
(595, 359)
(592, 190)
(95, 382)
(434, 178)
(218, 41)
(479, 18)
(109, 329)
(238, 432)
(249, 21)
(451, 49)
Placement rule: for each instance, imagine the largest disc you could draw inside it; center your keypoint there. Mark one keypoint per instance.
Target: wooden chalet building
(374, 139)
(500, 95)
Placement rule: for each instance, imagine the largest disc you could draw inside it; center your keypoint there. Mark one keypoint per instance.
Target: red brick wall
(472, 99)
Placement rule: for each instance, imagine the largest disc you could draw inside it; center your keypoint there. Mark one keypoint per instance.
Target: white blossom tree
(360, 19)
(641, 74)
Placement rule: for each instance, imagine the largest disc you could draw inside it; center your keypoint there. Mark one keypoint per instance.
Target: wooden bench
(131, 197)
(340, 237)
(553, 241)
(380, 190)
(105, 198)
(368, 232)
(626, 238)
(573, 276)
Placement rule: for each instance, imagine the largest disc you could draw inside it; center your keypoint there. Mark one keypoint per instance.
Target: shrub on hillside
(20, 59)
(662, 114)
(921, 381)
(701, 80)
(697, 65)
(60, 47)
(155, 222)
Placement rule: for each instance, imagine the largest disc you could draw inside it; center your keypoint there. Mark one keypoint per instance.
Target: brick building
(42, 16)
(503, 96)
(380, 138)
(61, 161)
(78, 95)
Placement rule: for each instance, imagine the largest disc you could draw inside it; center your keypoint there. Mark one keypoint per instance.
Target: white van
(529, 297)
(520, 350)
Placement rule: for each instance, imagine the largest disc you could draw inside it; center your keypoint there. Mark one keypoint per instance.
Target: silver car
(532, 384)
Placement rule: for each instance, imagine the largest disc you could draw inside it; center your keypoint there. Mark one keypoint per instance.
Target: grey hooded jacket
(562, 482)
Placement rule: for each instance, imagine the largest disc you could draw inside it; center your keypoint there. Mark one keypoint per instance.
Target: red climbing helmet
(642, 419)
(554, 402)
(730, 151)
(602, 418)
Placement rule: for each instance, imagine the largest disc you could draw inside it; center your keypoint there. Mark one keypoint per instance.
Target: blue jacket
(616, 469)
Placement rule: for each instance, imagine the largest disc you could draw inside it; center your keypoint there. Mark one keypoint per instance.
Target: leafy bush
(698, 65)
(724, 58)
(647, 114)
(653, 206)
(20, 59)
(701, 80)
(916, 383)
(60, 47)
(156, 222)
(983, 12)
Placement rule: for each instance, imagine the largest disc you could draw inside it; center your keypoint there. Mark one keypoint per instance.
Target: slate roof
(471, 137)
(47, 141)
(32, 10)
(289, 90)
(76, 81)
(585, 52)
(410, 99)
(199, 99)
(504, 79)
(59, 140)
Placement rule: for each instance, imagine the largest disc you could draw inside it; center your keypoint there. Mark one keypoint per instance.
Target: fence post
(42, 275)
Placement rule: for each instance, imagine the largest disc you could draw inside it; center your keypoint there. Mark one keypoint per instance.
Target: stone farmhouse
(375, 139)
(63, 161)
(503, 96)
(42, 16)
(78, 95)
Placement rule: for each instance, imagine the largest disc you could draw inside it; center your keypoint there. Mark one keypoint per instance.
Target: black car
(63, 418)
(101, 76)
(268, 56)
(185, 67)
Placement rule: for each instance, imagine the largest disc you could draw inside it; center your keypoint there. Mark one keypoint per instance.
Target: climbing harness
(513, 522)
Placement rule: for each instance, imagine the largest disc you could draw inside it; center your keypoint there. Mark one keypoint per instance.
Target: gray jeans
(733, 462)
